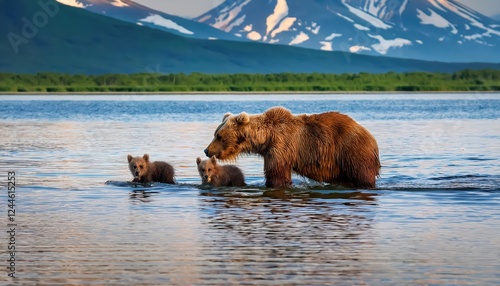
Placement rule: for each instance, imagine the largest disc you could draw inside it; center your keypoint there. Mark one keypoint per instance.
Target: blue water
(434, 218)
(202, 108)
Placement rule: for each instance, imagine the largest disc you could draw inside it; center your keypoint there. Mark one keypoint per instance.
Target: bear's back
(349, 152)
(233, 175)
(162, 172)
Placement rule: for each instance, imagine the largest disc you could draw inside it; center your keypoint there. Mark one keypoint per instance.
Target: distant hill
(444, 30)
(496, 17)
(129, 11)
(58, 38)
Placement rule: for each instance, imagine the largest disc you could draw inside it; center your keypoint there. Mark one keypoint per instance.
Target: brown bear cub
(147, 172)
(328, 147)
(219, 175)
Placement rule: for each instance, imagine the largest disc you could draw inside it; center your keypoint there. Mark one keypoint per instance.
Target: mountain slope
(129, 11)
(73, 40)
(443, 30)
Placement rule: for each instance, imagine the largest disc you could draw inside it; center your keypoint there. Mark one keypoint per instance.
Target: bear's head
(138, 165)
(206, 168)
(230, 138)
(245, 133)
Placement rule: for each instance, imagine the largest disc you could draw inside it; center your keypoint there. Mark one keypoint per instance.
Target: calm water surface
(433, 220)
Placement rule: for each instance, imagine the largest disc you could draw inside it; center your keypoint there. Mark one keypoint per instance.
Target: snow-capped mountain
(443, 30)
(129, 11)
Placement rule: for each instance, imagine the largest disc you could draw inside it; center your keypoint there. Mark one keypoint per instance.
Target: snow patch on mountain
(384, 45)
(376, 22)
(473, 37)
(285, 25)
(300, 38)
(280, 12)
(314, 28)
(436, 5)
(326, 46)
(236, 23)
(403, 7)
(345, 18)
(432, 19)
(228, 14)
(361, 27)
(169, 24)
(457, 10)
(73, 3)
(253, 35)
(357, 49)
(435, 19)
(119, 3)
(374, 9)
(333, 36)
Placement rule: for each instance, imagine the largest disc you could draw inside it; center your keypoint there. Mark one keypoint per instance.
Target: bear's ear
(198, 161)
(242, 118)
(130, 157)
(226, 116)
(213, 159)
(146, 157)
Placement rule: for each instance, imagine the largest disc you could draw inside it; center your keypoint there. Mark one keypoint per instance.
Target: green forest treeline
(467, 80)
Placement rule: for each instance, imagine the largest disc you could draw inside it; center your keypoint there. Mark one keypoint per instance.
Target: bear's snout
(206, 177)
(206, 151)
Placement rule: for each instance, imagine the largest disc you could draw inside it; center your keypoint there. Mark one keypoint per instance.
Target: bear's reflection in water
(142, 195)
(284, 233)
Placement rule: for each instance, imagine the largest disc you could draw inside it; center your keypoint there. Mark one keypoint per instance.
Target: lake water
(434, 218)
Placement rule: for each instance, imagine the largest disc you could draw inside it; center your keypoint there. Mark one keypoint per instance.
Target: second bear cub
(219, 175)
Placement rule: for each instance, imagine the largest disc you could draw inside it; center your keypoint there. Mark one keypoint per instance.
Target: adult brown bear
(327, 147)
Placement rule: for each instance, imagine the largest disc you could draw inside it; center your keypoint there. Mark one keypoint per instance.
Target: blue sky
(193, 8)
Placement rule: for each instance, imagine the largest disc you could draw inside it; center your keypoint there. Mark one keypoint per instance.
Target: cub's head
(138, 165)
(206, 168)
(230, 138)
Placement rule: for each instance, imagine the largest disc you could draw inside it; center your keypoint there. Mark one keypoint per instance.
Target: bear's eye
(218, 137)
(209, 170)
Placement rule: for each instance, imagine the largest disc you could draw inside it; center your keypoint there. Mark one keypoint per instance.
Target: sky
(193, 8)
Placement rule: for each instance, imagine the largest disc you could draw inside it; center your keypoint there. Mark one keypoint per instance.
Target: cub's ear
(198, 161)
(213, 159)
(242, 118)
(226, 116)
(130, 157)
(146, 157)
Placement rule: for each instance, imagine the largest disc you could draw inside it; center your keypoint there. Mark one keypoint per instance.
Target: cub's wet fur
(145, 171)
(219, 175)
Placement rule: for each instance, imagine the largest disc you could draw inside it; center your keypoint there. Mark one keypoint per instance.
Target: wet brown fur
(145, 171)
(327, 147)
(219, 175)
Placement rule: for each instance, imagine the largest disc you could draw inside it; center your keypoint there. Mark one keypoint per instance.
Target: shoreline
(108, 93)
